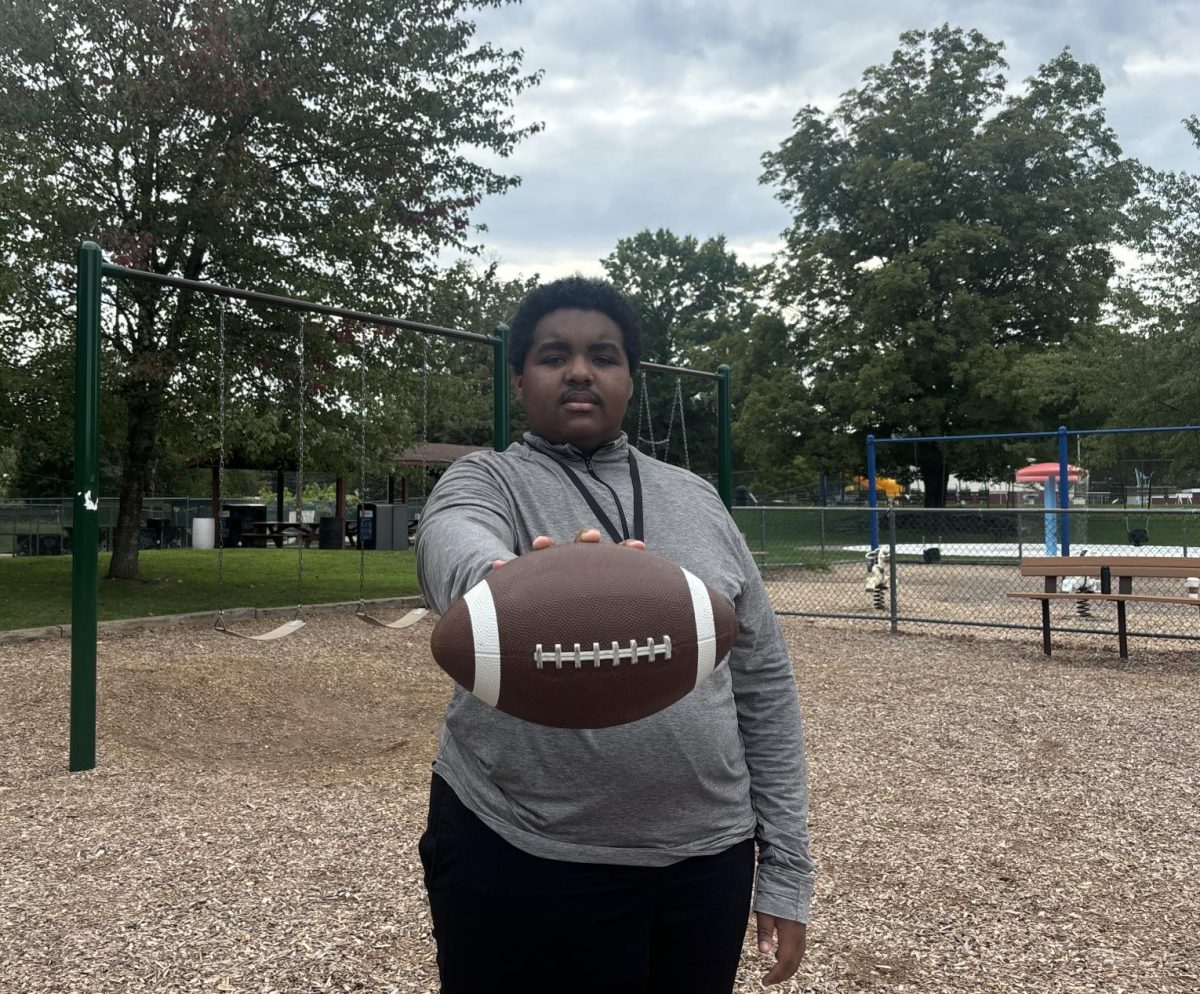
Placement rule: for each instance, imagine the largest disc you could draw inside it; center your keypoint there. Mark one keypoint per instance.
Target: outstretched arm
(466, 526)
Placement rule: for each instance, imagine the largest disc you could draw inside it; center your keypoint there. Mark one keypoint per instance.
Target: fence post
(762, 528)
(892, 568)
(1064, 492)
(872, 495)
(822, 533)
(725, 435)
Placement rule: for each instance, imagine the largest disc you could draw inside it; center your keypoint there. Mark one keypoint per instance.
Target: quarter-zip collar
(611, 453)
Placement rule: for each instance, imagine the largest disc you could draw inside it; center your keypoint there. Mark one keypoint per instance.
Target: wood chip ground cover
(986, 819)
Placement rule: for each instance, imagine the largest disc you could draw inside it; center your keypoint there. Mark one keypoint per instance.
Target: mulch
(985, 819)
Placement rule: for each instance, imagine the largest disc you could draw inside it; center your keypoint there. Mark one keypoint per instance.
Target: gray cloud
(657, 112)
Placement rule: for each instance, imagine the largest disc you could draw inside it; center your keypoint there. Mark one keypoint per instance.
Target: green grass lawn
(813, 536)
(36, 590)
(804, 536)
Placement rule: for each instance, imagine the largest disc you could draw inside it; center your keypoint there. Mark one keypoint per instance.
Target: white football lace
(577, 655)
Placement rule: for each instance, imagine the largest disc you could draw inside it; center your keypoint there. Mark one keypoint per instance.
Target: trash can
(202, 533)
(366, 525)
(331, 533)
(391, 527)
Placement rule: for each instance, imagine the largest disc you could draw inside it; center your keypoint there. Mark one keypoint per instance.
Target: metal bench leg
(1049, 586)
(1122, 639)
(1124, 586)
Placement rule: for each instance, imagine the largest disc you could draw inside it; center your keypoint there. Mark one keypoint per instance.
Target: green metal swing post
(501, 404)
(725, 435)
(85, 533)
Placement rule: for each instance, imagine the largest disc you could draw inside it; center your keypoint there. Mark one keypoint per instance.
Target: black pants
(508, 921)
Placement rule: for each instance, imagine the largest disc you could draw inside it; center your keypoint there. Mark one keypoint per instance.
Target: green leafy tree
(689, 295)
(325, 152)
(1149, 344)
(944, 232)
(783, 443)
(1168, 282)
(461, 394)
(687, 292)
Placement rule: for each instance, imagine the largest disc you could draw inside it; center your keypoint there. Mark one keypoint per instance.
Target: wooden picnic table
(278, 531)
(1053, 569)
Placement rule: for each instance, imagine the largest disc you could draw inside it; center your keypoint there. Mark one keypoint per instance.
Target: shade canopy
(1039, 472)
(436, 452)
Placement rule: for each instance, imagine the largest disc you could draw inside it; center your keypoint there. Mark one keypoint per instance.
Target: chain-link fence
(953, 567)
(43, 526)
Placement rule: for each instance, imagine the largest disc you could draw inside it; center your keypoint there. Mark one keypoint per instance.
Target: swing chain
(677, 409)
(300, 484)
(644, 407)
(687, 459)
(670, 429)
(219, 535)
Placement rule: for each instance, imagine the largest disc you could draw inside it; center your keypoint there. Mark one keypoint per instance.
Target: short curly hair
(576, 292)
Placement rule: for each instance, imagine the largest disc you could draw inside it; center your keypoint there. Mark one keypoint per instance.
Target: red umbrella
(1039, 472)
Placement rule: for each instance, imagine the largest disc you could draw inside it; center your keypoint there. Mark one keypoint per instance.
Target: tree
(782, 440)
(943, 233)
(1152, 338)
(461, 386)
(1160, 303)
(687, 292)
(325, 152)
(689, 295)
(701, 306)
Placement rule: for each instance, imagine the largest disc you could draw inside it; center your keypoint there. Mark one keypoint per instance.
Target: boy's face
(575, 383)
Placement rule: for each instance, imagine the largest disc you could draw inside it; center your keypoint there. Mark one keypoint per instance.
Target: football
(585, 635)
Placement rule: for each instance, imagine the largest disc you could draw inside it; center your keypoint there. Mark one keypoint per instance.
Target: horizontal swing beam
(699, 374)
(291, 303)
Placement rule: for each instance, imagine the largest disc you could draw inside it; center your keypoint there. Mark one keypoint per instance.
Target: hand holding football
(585, 636)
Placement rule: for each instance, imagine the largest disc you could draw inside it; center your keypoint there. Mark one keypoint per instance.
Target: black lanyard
(639, 531)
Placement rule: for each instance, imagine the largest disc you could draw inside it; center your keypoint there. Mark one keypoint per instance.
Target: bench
(275, 532)
(1125, 568)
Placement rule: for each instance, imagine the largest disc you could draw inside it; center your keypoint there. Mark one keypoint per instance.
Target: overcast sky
(657, 112)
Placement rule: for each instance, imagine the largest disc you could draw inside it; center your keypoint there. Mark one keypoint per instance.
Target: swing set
(643, 409)
(91, 270)
(296, 622)
(361, 612)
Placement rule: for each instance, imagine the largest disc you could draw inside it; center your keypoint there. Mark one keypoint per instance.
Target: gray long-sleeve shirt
(721, 765)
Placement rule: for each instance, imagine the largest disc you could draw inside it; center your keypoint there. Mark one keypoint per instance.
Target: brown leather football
(585, 635)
